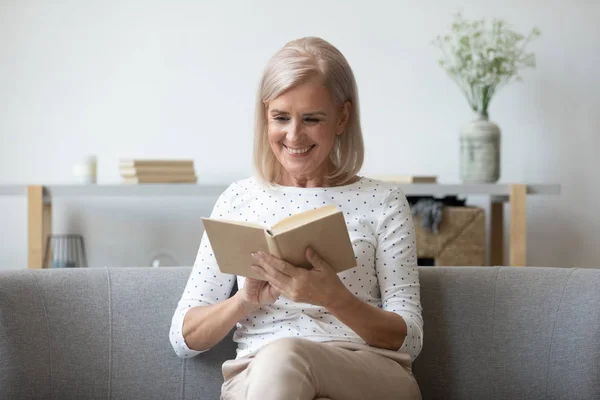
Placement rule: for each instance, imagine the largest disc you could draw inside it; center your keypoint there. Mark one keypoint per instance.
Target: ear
(344, 117)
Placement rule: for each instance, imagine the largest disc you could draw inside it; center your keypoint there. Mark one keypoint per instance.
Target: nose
(294, 131)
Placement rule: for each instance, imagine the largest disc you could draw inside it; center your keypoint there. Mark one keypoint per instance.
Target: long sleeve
(206, 284)
(395, 262)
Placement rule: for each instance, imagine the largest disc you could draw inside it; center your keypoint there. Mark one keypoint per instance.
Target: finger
(259, 270)
(273, 275)
(316, 260)
(274, 289)
(283, 267)
(275, 267)
(275, 286)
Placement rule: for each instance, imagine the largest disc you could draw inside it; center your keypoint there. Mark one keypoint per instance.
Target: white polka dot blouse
(382, 233)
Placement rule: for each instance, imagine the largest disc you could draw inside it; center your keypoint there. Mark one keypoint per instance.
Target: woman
(301, 333)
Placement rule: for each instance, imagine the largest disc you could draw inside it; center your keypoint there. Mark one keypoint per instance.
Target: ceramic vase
(480, 151)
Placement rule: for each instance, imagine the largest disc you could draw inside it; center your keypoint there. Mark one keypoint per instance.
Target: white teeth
(297, 151)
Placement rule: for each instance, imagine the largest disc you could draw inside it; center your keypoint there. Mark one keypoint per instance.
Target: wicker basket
(461, 239)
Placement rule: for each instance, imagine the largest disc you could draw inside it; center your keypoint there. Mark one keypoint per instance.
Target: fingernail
(253, 254)
(310, 251)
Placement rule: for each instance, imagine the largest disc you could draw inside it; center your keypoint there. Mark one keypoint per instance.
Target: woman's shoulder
(383, 187)
(242, 187)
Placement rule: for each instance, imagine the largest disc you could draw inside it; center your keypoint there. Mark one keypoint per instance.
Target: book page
(240, 223)
(328, 236)
(302, 218)
(232, 243)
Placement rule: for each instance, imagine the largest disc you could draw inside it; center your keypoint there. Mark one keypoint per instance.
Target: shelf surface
(13, 190)
(133, 190)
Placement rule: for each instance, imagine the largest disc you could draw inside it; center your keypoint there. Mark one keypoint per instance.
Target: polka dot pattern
(382, 233)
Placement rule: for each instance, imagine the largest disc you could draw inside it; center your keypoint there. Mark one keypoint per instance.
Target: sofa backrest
(98, 333)
(491, 333)
(510, 333)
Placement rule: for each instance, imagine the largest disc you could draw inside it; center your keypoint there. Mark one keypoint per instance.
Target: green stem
(485, 101)
(463, 88)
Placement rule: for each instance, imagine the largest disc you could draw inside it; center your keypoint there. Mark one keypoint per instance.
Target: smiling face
(302, 127)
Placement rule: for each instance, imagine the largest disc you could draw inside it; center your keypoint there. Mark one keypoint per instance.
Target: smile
(298, 151)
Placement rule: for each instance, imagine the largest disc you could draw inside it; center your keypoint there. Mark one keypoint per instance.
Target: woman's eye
(280, 119)
(312, 120)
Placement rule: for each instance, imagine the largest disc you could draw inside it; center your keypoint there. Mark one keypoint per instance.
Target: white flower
(481, 59)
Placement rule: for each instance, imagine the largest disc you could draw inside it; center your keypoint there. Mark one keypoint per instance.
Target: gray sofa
(490, 333)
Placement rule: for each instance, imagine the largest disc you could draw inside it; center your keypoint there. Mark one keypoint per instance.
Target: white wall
(177, 79)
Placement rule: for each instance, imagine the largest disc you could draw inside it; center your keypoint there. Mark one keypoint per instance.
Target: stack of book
(157, 171)
(409, 178)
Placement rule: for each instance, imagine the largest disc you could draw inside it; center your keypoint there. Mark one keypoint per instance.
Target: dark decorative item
(65, 251)
(430, 210)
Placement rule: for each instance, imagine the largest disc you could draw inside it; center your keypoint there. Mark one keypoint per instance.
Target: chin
(299, 164)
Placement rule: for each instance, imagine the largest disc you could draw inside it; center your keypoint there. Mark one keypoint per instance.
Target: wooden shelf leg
(497, 234)
(518, 225)
(39, 225)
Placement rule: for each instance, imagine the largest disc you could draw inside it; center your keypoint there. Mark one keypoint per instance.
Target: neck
(304, 182)
(316, 179)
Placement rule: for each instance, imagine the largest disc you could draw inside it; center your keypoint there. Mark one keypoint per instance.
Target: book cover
(131, 163)
(159, 175)
(159, 179)
(156, 170)
(409, 178)
(324, 229)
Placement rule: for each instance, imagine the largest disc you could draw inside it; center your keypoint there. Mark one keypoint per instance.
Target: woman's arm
(395, 262)
(377, 327)
(206, 287)
(321, 286)
(205, 326)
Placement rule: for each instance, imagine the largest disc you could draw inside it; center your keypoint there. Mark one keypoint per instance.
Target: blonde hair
(294, 64)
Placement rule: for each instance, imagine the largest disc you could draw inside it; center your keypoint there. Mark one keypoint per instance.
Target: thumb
(315, 259)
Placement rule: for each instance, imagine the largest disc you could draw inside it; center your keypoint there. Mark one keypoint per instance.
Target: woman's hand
(257, 292)
(319, 286)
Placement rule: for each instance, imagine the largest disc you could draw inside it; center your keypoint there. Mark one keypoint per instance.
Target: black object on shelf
(447, 201)
(430, 209)
(65, 251)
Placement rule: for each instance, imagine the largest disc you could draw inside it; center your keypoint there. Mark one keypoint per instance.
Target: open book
(324, 229)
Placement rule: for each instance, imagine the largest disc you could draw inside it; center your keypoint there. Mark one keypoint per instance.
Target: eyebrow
(314, 113)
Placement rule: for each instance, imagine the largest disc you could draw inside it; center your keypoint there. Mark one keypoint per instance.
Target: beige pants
(291, 368)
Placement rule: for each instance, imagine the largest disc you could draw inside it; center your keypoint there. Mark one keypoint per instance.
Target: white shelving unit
(13, 190)
(39, 200)
(175, 190)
